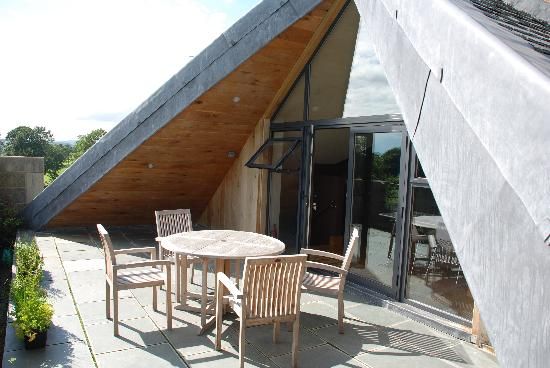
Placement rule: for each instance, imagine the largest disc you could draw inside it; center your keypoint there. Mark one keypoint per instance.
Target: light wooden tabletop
(226, 244)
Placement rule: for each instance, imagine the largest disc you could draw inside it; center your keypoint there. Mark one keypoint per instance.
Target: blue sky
(73, 66)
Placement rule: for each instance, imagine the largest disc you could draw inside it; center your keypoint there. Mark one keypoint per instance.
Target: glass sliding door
(329, 176)
(374, 205)
(434, 275)
(285, 190)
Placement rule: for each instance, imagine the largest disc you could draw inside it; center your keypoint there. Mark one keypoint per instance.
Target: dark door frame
(394, 290)
(366, 124)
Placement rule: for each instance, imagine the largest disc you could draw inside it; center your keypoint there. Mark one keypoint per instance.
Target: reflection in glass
(435, 277)
(347, 79)
(328, 189)
(374, 203)
(330, 68)
(284, 196)
(292, 108)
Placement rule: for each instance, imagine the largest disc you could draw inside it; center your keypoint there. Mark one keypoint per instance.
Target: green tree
(54, 160)
(30, 142)
(84, 143)
(37, 142)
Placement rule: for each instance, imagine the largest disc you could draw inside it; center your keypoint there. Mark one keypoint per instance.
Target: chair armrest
(151, 250)
(315, 252)
(326, 267)
(419, 237)
(222, 278)
(166, 263)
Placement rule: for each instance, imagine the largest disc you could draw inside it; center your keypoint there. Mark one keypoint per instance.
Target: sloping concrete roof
(257, 28)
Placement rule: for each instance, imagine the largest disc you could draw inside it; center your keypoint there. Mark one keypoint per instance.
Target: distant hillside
(69, 142)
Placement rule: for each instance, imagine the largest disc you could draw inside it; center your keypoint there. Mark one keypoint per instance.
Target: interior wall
(240, 200)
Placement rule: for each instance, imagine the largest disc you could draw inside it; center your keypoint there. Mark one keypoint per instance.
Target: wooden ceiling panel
(189, 154)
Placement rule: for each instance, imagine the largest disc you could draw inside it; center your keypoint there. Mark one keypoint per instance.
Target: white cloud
(74, 66)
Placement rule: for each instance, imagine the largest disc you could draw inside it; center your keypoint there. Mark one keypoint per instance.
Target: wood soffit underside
(189, 154)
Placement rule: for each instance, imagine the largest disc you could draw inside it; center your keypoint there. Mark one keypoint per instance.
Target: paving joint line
(87, 340)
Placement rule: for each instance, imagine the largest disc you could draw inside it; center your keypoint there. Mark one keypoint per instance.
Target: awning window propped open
(273, 154)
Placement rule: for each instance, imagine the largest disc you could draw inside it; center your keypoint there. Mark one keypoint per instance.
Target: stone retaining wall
(21, 179)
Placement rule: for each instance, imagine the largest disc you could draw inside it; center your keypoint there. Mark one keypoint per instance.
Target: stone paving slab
(74, 355)
(322, 356)
(156, 356)
(94, 312)
(139, 332)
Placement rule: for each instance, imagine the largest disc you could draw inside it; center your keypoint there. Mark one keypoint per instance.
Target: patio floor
(81, 336)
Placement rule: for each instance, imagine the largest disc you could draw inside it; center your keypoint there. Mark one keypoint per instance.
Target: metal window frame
(269, 142)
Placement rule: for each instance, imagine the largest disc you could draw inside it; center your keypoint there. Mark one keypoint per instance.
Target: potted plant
(32, 312)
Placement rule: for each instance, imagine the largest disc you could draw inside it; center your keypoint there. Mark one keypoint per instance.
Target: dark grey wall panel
(483, 138)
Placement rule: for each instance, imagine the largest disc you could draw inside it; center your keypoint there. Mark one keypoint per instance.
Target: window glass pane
(435, 277)
(375, 199)
(347, 79)
(329, 178)
(284, 196)
(271, 154)
(331, 67)
(293, 107)
(368, 92)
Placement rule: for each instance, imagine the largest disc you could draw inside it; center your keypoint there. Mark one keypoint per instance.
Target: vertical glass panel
(375, 200)
(347, 79)
(293, 107)
(284, 192)
(435, 277)
(330, 68)
(328, 189)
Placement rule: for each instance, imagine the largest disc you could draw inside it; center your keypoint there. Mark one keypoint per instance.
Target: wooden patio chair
(270, 295)
(172, 222)
(133, 276)
(331, 284)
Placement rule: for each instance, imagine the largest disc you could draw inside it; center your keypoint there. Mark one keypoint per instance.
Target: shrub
(28, 260)
(32, 312)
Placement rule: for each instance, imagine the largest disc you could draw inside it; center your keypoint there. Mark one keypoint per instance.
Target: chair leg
(341, 313)
(237, 271)
(276, 332)
(178, 277)
(242, 342)
(219, 315)
(115, 311)
(183, 281)
(192, 272)
(168, 297)
(155, 298)
(107, 300)
(295, 340)
(204, 293)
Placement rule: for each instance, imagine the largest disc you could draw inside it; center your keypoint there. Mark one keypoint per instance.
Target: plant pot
(38, 342)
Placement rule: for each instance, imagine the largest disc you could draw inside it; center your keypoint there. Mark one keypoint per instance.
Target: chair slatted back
(173, 221)
(272, 286)
(110, 259)
(353, 243)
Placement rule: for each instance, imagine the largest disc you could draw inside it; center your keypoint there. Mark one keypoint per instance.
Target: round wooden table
(221, 246)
